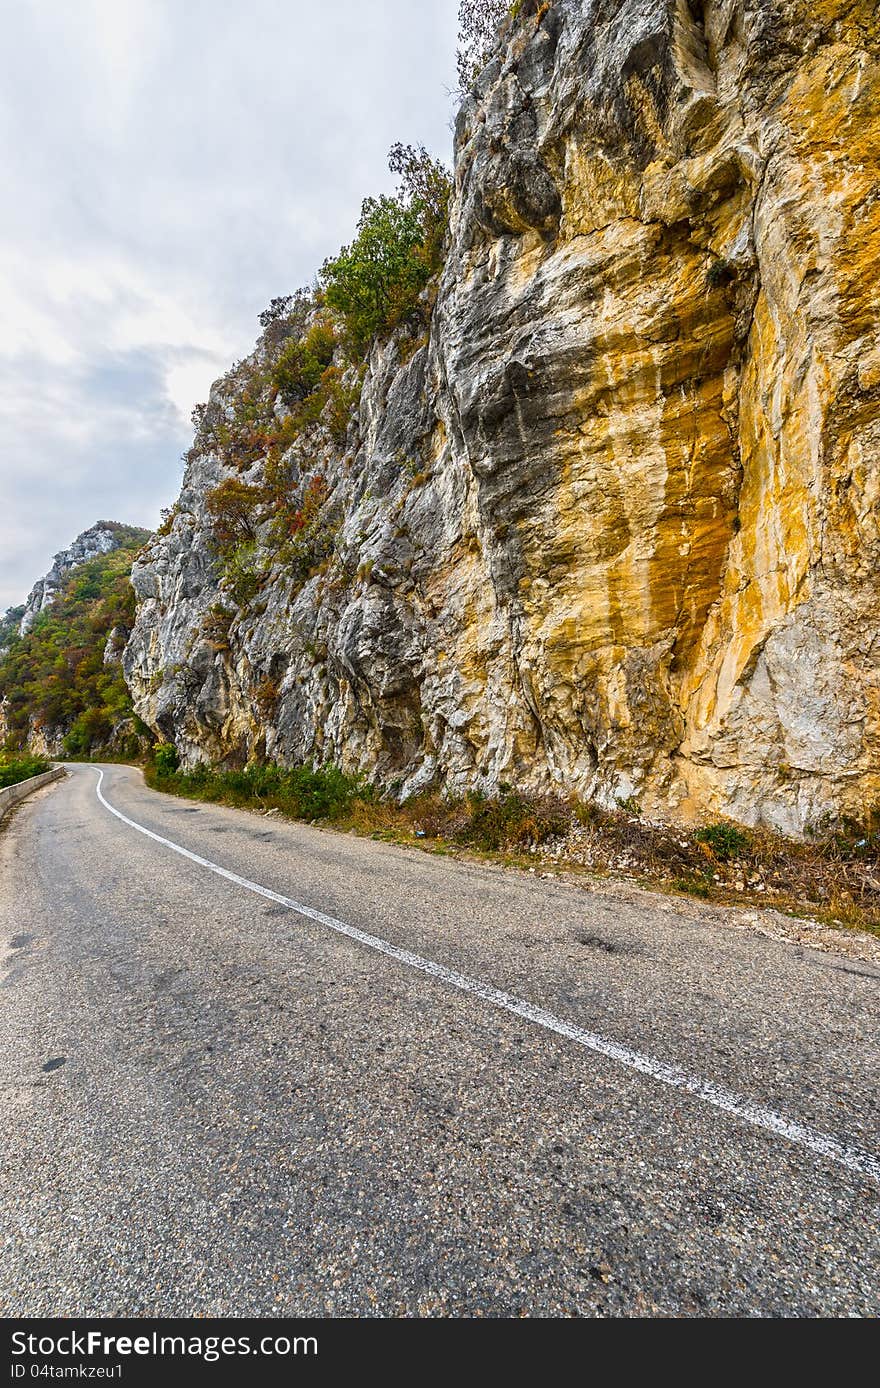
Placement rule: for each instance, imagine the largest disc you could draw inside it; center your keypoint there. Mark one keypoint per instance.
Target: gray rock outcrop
(614, 527)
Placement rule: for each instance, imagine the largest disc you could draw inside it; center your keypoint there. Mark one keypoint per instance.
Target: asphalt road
(213, 1103)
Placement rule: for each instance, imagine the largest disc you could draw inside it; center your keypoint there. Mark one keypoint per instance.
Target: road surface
(257, 1068)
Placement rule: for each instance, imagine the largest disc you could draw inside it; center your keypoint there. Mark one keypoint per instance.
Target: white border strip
(746, 1110)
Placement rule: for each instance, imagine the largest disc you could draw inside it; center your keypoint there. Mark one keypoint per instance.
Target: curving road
(256, 1068)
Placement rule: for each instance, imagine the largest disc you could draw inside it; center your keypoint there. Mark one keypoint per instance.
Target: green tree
(373, 282)
(302, 363)
(426, 187)
(478, 24)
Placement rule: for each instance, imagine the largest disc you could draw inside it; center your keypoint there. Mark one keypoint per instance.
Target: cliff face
(615, 527)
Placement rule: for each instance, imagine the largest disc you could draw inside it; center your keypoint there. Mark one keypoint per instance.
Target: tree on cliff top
(374, 283)
(478, 25)
(425, 187)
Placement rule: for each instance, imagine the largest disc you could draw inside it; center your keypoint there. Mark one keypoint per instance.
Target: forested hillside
(61, 685)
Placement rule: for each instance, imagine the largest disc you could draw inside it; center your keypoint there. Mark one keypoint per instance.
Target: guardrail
(11, 795)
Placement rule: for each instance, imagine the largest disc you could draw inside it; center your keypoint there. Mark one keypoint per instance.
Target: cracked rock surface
(613, 527)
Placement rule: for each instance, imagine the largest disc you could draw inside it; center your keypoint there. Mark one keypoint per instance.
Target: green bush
(376, 282)
(303, 792)
(166, 759)
(373, 282)
(694, 885)
(725, 840)
(302, 363)
(244, 573)
(91, 729)
(511, 821)
(15, 769)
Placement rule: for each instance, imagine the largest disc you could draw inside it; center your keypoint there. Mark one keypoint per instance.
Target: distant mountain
(61, 687)
(101, 538)
(10, 626)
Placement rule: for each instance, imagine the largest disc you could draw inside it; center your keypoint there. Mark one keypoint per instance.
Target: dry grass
(833, 878)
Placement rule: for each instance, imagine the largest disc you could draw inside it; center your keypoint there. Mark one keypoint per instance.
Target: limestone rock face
(114, 646)
(615, 527)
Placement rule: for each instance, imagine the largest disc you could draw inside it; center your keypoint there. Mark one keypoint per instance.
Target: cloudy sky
(168, 167)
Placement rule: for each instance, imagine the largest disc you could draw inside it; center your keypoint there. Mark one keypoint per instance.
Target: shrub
(167, 523)
(286, 316)
(378, 278)
(513, 820)
(232, 506)
(693, 885)
(725, 840)
(216, 626)
(302, 363)
(303, 792)
(341, 399)
(266, 697)
(21, 768)
(244, 573)
(242, 425)
(166, 759)
(279, 308)
(91, 729)
(306, 533)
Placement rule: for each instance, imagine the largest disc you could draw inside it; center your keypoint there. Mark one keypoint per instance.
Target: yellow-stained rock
(644, 555)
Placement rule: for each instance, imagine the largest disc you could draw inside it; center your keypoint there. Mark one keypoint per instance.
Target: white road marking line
(744, 1109)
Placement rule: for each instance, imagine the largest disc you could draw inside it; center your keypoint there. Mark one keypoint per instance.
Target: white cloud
(188, 381)
(178, 165)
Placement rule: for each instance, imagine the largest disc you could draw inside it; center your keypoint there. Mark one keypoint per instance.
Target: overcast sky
(168, 167)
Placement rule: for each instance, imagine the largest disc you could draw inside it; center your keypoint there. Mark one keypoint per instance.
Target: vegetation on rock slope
(306, 375)
(54, 683)
(478, 24)
(378, 280)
